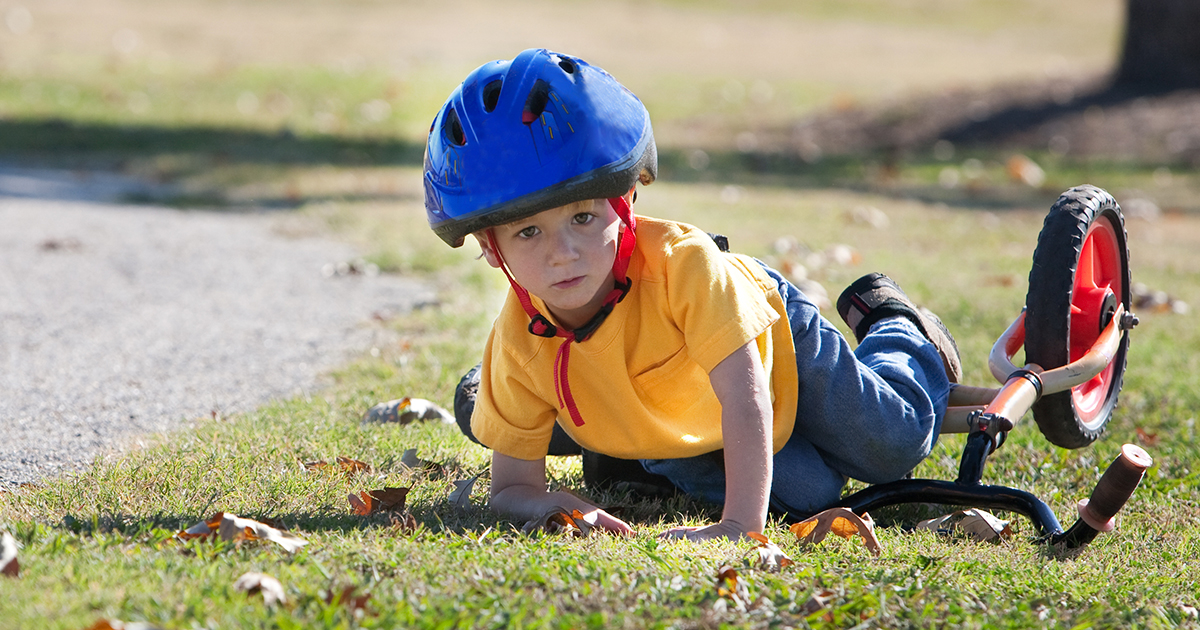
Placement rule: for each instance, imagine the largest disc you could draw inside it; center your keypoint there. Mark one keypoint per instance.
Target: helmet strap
(539, 325)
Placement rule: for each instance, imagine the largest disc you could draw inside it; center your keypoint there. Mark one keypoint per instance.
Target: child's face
(563, 256)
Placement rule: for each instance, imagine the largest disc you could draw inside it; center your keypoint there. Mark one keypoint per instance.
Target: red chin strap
(542, 327)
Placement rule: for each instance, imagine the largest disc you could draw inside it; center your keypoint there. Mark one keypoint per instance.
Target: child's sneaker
(875, 296)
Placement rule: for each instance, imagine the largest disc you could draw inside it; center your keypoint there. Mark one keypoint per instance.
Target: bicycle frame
(988, 414)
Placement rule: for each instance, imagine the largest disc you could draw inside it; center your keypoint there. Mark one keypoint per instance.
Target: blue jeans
(871, 414)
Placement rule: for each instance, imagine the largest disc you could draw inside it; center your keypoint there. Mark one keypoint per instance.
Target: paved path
(118, 321)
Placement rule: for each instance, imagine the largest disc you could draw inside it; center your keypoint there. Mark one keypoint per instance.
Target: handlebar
(1097, 513)
(1115, 487)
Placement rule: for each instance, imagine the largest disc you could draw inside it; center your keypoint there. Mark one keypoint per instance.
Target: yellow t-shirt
(641, 381)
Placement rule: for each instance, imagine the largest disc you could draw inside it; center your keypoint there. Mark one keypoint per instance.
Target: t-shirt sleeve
(509, 417)
(717, 300)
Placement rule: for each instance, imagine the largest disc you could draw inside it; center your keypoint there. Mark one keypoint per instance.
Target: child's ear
(489, 254)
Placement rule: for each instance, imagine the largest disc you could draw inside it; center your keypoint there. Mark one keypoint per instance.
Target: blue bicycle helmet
(537, 132)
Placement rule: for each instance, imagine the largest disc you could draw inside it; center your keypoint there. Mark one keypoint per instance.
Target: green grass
(100, 543)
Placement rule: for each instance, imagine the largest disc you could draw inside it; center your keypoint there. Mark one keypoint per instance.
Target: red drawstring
(542, 327)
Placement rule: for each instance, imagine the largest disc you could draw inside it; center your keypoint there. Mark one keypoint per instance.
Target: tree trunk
(1162, 45)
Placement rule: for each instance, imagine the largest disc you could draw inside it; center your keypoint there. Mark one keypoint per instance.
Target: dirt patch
(1082, 119)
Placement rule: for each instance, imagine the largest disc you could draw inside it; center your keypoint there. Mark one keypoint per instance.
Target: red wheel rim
(1099, 278)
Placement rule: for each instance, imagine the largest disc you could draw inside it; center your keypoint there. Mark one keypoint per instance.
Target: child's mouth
(569, 283)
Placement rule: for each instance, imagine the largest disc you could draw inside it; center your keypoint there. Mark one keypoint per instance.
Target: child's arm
(741, 385)
(519, 490)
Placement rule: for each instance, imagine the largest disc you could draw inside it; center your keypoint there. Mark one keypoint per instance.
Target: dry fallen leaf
(1023, 170)
(270, 588)
(461, 496)
(979, 524)
(818, 601)
(348, 598)
(1156, 301)
(840, 521)
(114, 624)
(376, 501)
(8, 556)
(1147, 438)
(410, 460)
(406, 410)
(231, 527)
(730, 586)
(557, 521)
(353, 466)
(203, 528)
(770, 556)
(344, 464)
(406, 523)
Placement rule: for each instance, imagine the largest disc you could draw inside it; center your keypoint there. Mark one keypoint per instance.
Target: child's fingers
(603, 519)
(680, 532)
(723, 529)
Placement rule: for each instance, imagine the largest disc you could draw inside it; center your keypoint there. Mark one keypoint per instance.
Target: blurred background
(172, 89)
(828, 106)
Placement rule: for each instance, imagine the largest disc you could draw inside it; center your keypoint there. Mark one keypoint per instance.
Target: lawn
(320, 110)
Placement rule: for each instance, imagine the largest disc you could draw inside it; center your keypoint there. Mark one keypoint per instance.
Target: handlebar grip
(1115, 487)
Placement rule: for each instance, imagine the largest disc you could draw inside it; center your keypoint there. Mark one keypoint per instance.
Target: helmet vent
(491, 95)
(453, 129)
(567, 65)
(535, 103)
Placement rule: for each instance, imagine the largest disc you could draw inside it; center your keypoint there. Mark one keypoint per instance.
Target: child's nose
(565, 248)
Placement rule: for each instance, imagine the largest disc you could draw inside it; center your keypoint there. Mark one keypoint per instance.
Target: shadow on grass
(44, 138)
(887, 148)
(640, 511)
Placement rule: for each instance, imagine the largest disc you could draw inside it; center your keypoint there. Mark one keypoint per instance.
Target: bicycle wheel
(1080, 273)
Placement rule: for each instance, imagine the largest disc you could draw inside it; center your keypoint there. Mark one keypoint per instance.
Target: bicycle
(1075, 331)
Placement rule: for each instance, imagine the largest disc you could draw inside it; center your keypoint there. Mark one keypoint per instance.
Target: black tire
(1085, 222)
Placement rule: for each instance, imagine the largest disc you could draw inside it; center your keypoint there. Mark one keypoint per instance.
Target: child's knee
(896, 457)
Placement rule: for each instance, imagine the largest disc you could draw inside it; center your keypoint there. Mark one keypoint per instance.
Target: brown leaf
(353, 466)
(8, 556)
(1023, 170)
(770, 556)
(115, 624)
(556, 520)
(254, 583)
(818, 601)
(344, 464)
(1146, 438)
(406, 523)
(231, 527)
(840, 521)
(347, 597)
(406, 410)
(1001, 280)
(730, 586)
(203, 528)
(361, 504)
(375, 501)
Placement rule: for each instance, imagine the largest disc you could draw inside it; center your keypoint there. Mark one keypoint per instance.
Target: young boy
(642, 339)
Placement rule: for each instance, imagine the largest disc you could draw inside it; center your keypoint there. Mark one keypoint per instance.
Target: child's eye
(583, 218)
(528, 232)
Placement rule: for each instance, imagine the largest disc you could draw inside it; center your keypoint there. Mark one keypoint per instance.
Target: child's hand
(724, 529)
(604, 520)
